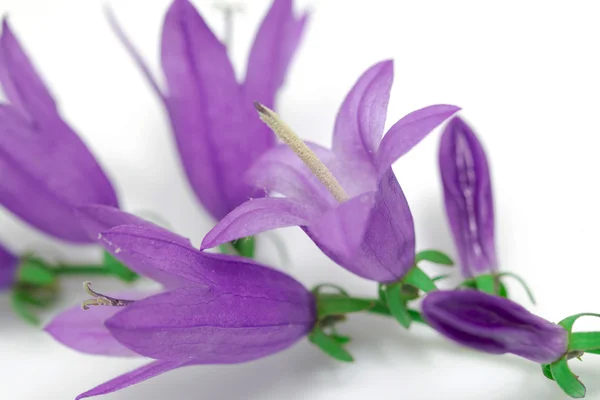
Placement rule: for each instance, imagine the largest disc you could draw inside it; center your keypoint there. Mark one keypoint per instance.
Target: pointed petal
(213, 327)
(468, 197)
(274, 46)
(84, 330)
(255, 216)
(409, 131)
(141, 374)
(8, 268)
(20, 81)
(46, 171)
(218, 133)
(494, 324)
(371, 235)
(360, 121)
(96, 219)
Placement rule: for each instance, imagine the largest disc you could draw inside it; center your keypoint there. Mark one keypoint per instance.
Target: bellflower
(46, 168)
(214, 309)
(8, 268)
(216, 130)
(468, 198)
(365, 225)
(494, 325)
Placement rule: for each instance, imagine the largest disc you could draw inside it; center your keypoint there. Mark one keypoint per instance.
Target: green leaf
(341, 339)
(381, 292)
(329, 345)
(502, 290)
(336, 305)
(567, 381)
(397, 305)
(34, 272)
(245, 246)
(440, 277)
(486, 283)
(521, 281)
(595, 351)
(546, 371)
(419, 279)
(469, 283)
(584, 341)
(568, 322)
(20, 306)
(433, 256)
(118, 269)
(416, 316)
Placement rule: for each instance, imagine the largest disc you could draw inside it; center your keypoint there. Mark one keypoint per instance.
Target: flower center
(289, 137)
(100, 299)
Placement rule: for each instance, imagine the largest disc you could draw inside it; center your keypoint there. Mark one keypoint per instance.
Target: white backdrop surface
(526, 76)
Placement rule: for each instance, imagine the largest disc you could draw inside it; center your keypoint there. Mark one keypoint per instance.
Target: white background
(527, 77)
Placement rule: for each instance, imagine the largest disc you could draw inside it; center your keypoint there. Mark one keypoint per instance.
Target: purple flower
(214, 122)
(8, 268)
(214, 309)
(494, 324)
(468, 197)
(371, 233)
(46, 168)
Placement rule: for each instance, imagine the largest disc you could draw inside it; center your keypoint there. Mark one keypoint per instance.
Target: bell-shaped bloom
(494, 325)
(214, 309)
(468, 198)
(8, 268)
(216, 130)
(371, 234)
(46, 168)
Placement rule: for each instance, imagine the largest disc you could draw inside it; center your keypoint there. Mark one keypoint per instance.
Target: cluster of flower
(227, 308)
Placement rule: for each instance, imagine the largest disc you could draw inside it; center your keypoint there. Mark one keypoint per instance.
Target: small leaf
(568, 322)
(20, 307)
(317, 289)
(433, 256)
(595, 351)
(397, 305)
(546, 371)
(521, 281)
(329, 345)
(245, 246)
(469, 283)
(584, 341)
(419, 279)
(341, 339)
(336, 305)
(440, 277)
(486, 283)
(416, 316)
(118, 269)
(380, 308)
(34, 272)
(381, 292)
(567, 381)
(502, 290)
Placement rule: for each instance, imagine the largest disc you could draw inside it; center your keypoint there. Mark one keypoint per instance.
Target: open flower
(346, 199)
(494, 325)
(214, 309)
(216, 130)
(8, 268)
(468, 198)
(46, 168)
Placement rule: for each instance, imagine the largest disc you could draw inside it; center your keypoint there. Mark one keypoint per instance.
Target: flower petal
(494, 324)
(257, 216)
(274, 46)
(84, 330)
(468, 198)
(21, 82)
(213, 327)
(371, 235)
(46, 171)
(217, 131)
(360, 121)
(8, 268)
(141, 374)
(409, 131)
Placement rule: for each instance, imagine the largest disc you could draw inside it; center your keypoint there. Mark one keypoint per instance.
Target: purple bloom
(214, 309)
(468, 197)
(494, 324)
(371, 233)
(214, 122)
(8, 268)
(46, 168)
